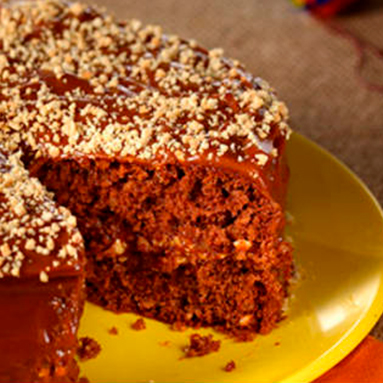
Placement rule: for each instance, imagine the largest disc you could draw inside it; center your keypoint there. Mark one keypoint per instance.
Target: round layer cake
(170, 156)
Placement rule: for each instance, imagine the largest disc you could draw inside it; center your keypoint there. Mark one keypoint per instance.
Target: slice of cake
(171, 157)
(41, 280)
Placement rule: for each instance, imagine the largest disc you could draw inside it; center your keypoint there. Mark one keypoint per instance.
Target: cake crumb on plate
(88, 348)
(139, 325)
(113, 331)
(230, 366)
(201, 345)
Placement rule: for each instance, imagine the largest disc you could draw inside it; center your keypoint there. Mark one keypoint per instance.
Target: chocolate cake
(170, 156)
(41, 280)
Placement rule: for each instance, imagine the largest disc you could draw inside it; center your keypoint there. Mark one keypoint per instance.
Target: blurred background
(311, 66)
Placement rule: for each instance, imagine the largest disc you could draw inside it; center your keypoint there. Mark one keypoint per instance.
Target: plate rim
(361, 329)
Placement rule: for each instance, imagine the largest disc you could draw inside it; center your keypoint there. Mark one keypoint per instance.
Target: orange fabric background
(363, 365)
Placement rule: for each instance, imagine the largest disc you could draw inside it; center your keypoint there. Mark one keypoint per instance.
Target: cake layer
(239, 297)
(182, 213)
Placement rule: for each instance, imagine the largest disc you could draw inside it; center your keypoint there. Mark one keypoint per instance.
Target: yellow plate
(337, 231)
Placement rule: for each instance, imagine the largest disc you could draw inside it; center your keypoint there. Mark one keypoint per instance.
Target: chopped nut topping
(119, 247)
(30, 244)
(5, 250)
(261, 159)
(29, 221)
(44, 277)
(242, 245)
(127, 90)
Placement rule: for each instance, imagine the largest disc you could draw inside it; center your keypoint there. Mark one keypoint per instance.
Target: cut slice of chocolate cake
(171, 157)
(41, 281)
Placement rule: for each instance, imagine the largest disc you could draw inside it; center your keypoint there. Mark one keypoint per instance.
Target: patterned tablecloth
(311, 68)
